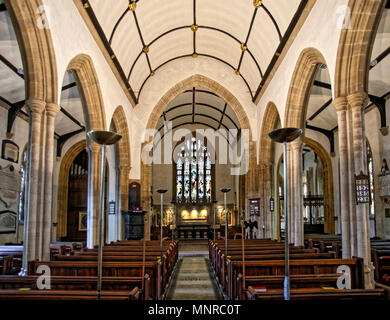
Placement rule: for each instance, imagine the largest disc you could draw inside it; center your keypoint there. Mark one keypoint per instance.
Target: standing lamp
(214, 203)
(173, 203)
(103, 138)
(225, 191)
(286, 135)
(161, 192)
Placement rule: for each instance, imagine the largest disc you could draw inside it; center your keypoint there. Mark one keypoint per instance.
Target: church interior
(194, 150)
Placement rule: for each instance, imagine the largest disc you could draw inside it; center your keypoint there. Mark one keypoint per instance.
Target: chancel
(198, 199)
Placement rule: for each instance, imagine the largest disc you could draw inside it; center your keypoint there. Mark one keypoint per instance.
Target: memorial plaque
(254, 207)
(362, 184)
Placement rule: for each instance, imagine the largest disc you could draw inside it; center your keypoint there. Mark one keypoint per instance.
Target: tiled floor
(193, 279)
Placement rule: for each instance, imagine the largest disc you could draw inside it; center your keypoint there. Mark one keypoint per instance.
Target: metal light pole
(285, 135)
(214, 203)
(173, 203)
(103, 138)
(225, 191)
(161, 192)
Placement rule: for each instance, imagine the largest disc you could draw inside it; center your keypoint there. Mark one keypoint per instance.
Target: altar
(193, 221)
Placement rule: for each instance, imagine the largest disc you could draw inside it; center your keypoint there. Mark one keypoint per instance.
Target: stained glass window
(193, 173)
(370, 164)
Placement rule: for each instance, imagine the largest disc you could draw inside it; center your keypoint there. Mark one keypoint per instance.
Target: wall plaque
(362, 184)
(8, 221)
(10, 151)
(254, 207)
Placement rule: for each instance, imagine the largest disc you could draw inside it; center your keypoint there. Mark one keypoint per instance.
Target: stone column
(94, 159)
(297, 213)
(51, 112)
(146, 179)
(36, 108)
(124, 198)
(341, 106)
(351, 183)
(290, 193)
(358, 102)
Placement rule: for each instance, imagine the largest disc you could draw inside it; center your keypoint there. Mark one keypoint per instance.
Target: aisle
(193, 278)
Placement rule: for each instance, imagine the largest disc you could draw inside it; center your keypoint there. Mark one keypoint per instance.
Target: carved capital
(52, 109)
(35, 106)
(384, 131)
(93, 147)
(358, 100)
(340, 103)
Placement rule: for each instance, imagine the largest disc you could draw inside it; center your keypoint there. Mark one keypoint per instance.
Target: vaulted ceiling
(146, 35)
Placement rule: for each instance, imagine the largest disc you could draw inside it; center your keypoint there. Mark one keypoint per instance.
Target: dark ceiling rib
(383, 55)
(184, 27)
(322, 85)
(161, 65)
(328, 133)
(65, 137)
(190, 55)
(193, 122)
(281, 46)
(315, 114)
(247, 39)
(193, 103)
(203, 91)
(223, 113)
(204, 105)
(11, 66)
(107, 46)
(117, 24)
(194, 31)
(273, 20)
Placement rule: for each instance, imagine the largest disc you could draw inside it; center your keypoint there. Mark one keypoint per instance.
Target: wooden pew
(381, 261)
(298, 267)
(110, 269)
(75, 295)
(320, 294)
(80, 283)
(277, 282)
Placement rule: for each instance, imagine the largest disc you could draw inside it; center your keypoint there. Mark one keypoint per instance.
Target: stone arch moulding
(36, 49)
(269, 123)
(90, 93)
(122, 150)
(186, 84)
(329, 224)
(63, 185)
(355, 46)
(300, 87)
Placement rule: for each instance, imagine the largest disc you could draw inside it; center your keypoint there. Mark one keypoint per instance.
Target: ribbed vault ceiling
(145, 35)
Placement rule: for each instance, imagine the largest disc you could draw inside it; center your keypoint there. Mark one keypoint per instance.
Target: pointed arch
(329, 225)
(63, 186)
(36, 49)
(355, 46)
(269, 123)
(90, 93)
(300, 87)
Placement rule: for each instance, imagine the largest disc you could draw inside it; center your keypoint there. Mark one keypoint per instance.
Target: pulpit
(134, 224)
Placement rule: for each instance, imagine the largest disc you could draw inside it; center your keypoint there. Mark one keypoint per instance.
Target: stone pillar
(341, 106)
(297, 198)
(351, 183)
(31, 235)
(358, 102)
(146, 179)
(94, 160)
(124, 198)
(290, 193)
(51, 112)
